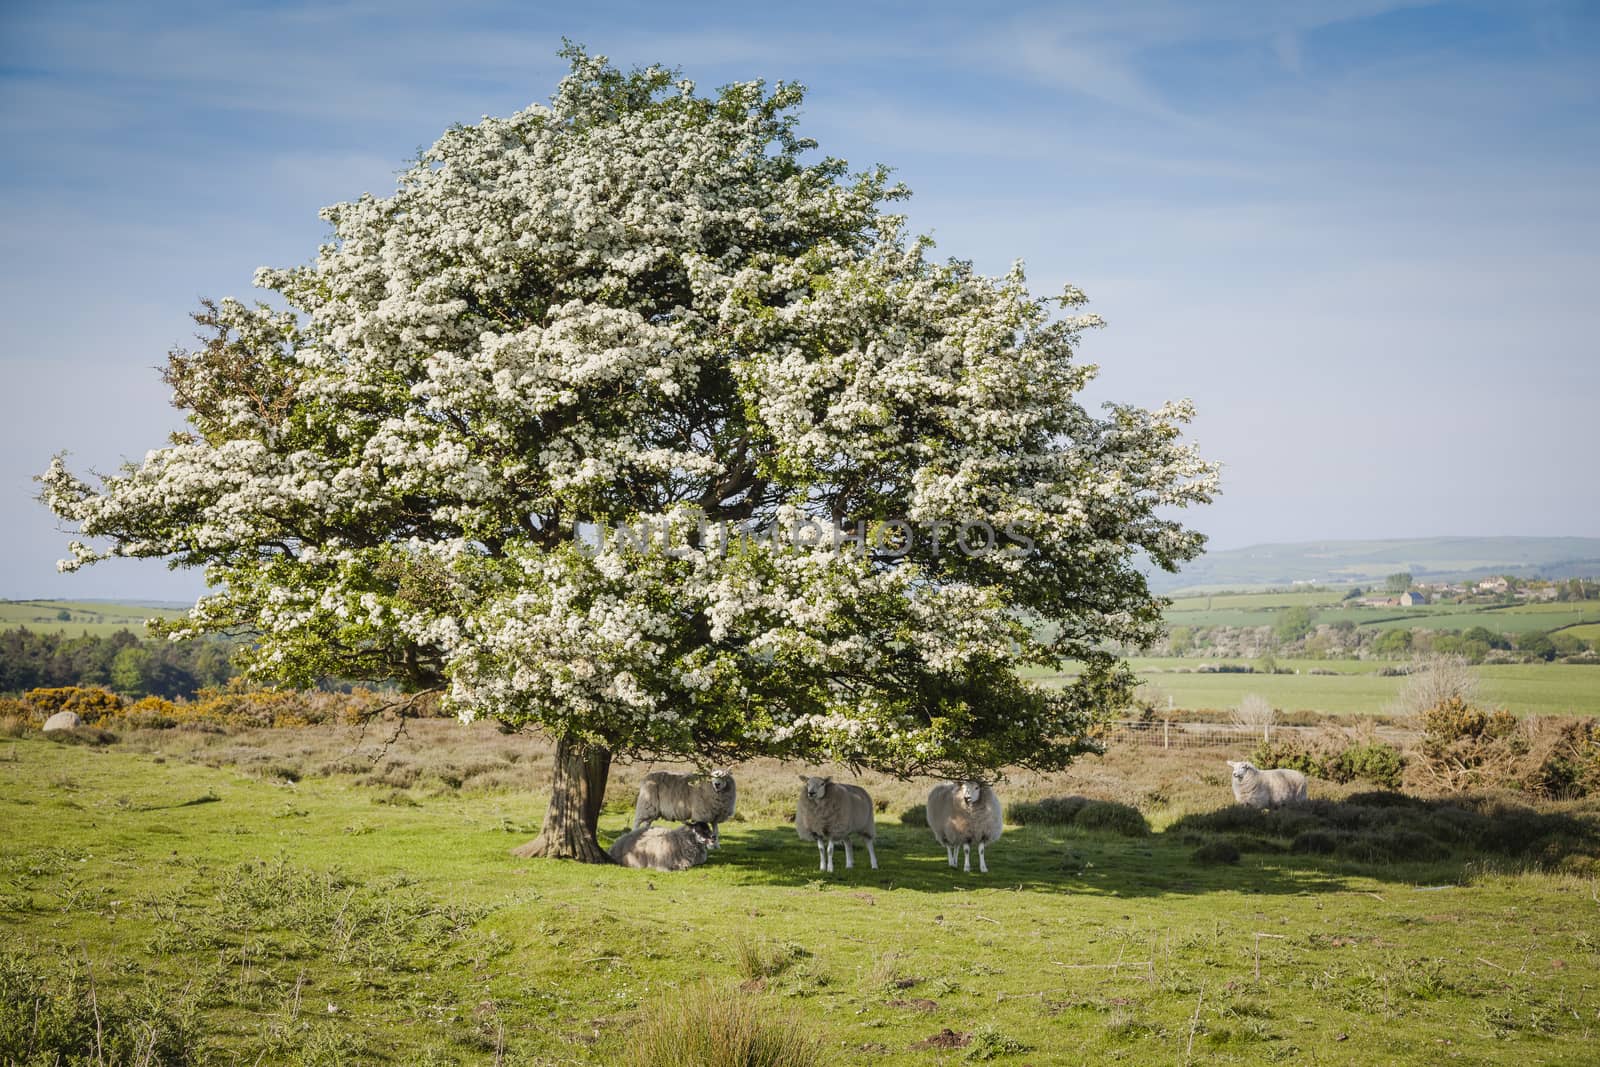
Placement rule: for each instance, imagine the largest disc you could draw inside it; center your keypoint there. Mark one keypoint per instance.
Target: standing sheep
(662, 849)
(1257, 788)
(963, 814)
(830, 812)
(686, 798)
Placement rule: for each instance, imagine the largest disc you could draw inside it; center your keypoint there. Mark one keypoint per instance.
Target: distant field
(1252, 601)
(1356, 688)
(1263, 609)
(82, 616)
(1504, 620)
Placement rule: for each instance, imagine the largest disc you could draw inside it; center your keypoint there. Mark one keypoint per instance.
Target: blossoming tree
(512, 437)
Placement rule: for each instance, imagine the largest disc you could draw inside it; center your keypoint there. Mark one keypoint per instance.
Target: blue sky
(1364, 237)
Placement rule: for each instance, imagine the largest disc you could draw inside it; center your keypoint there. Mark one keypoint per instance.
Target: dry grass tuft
(712, 1027)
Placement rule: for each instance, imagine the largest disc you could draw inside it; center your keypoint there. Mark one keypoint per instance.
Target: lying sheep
(963, 814)
(662, 849)
(686, 798)
(830, 812)
(1257, 788)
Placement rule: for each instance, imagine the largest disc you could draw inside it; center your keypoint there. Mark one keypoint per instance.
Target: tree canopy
(642, 306)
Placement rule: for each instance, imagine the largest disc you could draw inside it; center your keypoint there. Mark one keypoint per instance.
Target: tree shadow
(1321, 847)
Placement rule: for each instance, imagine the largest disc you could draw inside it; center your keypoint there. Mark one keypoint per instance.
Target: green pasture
(1354, 686)
(258, 920)
(1499, 620)
(83, 616)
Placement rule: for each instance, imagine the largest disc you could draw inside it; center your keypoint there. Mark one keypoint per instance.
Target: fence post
(1166, 733)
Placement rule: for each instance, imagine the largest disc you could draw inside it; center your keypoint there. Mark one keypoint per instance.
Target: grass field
(1355, 687)
(99, 618)
(342, 919)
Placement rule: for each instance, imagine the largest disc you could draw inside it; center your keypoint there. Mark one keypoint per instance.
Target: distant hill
(1427, 558)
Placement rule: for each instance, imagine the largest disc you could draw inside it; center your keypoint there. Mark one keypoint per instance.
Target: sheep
(662, 849)
(1257, 788)
(830, 812)
(686, 798)
(963, 814)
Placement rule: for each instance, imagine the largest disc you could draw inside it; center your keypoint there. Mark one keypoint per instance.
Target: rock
(63, 720)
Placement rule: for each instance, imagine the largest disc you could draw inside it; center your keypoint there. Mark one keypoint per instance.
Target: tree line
(122, 661)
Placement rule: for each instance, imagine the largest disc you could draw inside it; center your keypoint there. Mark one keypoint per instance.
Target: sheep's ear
(1235, 764)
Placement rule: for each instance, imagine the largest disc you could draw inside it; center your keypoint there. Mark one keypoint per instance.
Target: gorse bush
(1453, 719)
(1290, 755)
(1371, 761)
(1465, 747)
(712, 1027)
(233, 706)
(89, 704)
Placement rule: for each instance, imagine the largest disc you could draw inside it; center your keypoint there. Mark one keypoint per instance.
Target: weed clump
(714, 1027)
(65, 1017)
(756, 962)
(989, 1043)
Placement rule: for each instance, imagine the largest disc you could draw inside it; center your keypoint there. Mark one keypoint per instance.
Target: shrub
(1433, 680)
(1051, 811)
(1081, 812)
(1216, 852)
(713, 1027)
(1112, 817)
(1464, 746)
(1390, 827)
(1315, 842)
(1291, 754)
(1453, 719)
(915, 815)
(1373, 762)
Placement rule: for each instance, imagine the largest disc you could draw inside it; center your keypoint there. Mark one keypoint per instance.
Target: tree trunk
(577, 790)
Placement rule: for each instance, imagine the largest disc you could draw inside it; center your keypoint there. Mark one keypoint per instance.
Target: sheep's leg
(966, 857)
(849, 855)
(872, 854)
(830, 855)
(983, 868)
(716, 836)
(822, 859)
(950, 853)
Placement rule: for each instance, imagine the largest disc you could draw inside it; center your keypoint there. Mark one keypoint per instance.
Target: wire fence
(1170, 734)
